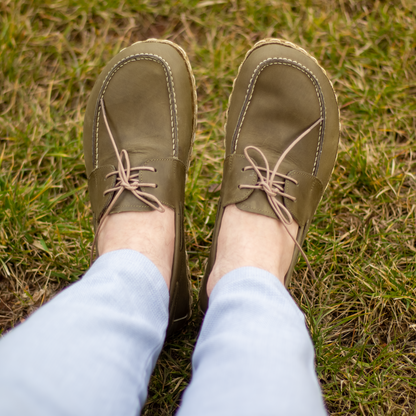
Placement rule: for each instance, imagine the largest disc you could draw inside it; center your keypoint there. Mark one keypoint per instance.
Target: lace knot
(269, 190)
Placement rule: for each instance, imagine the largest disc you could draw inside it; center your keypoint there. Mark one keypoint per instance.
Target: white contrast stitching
(252, 83)
(133, 58)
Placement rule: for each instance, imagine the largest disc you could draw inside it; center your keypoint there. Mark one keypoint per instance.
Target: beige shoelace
(126, 180)
(273, 188)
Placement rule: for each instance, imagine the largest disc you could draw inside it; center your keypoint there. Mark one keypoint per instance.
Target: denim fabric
(254, 355)
(91, 350)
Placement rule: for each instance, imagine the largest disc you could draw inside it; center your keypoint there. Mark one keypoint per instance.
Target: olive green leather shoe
(281, 141)
(138, 132)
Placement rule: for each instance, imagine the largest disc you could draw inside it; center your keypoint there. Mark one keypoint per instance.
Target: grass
(361, 310)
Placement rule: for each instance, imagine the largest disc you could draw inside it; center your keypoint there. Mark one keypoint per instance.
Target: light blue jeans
(92, 349)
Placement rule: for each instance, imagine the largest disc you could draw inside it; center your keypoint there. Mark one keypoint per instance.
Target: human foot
(252, 240)
(138, 131)
(281, 144)
(150, 233)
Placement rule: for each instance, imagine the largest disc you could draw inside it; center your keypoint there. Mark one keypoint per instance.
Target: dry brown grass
(361, 309)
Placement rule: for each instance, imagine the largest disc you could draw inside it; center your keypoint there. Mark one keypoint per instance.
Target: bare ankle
(150, 233)
(252, 240)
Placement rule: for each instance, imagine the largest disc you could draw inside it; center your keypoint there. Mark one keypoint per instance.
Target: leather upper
(147, 89)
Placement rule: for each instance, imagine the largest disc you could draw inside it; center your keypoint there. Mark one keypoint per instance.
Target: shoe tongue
(136, 157)
(286, 165)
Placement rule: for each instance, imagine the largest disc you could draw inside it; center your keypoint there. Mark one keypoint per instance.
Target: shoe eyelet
(157, 186)
(155, 170)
